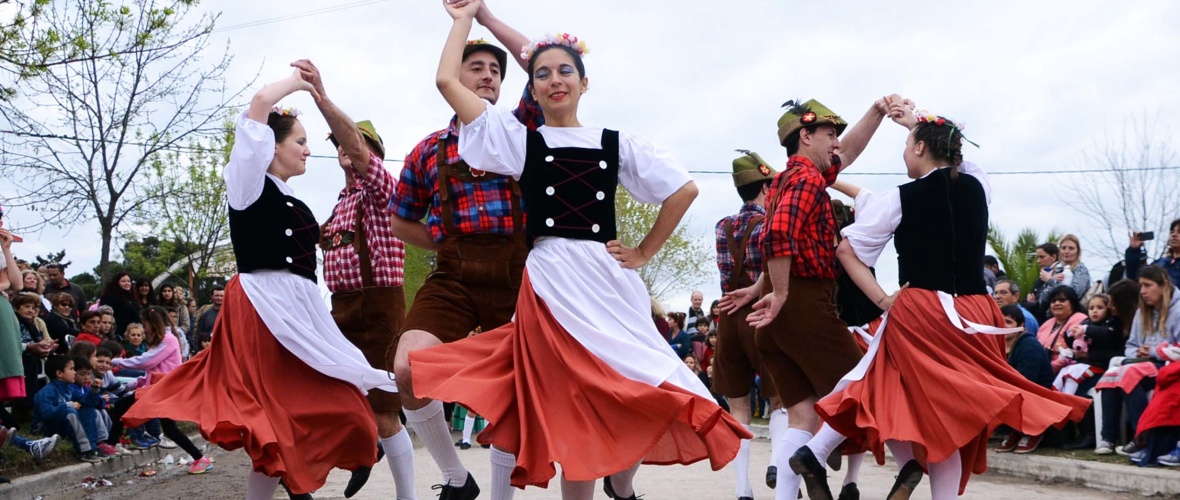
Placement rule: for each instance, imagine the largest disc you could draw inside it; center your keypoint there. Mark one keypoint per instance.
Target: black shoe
(745, 498)
(771, 476)
(459, 442)
(849, 492)
(292, 496)
(464, 446)
(610, 491)
(804, 463)
(357, 481)
(834, 459)
(1085, 442)
(485, 446)
(907, 481)
(469, 490)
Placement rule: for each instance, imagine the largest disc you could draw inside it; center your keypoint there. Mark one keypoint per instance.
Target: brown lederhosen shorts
(806, 348)
(474, 284)
(371, 318)
(737, 359)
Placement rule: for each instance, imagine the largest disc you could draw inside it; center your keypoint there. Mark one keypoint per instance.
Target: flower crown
(478, 41)
(924, 116)
(566, 39)
(292, 112)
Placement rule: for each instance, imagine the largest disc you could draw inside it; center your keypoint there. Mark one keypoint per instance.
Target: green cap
(370, 135)
(804, 115)
(750, 168)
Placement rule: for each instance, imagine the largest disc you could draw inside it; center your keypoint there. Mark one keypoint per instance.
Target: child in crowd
(1027, 356)
(1099, 317)
(113, 388)
(93, 412)
(91, 325)
(700, 339)
(203, 340)
(56, 413)
(133, 345)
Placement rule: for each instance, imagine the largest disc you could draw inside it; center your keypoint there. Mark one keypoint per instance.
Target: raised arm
(343, 129)
(512, 40)
(466, 104)
(265, 99)
(846, 188)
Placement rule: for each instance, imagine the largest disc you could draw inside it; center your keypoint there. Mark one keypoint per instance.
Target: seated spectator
(680, 340)
(1170, 262)
(1065, 312)
(83, 349)
(61, 322)
(93, 412)
(1036, 301)
(34, 338)
(134, 344)
(35, 284)
(1027, 356)
(1155, 327)
(40, 449)
(106, 325)
(1159, 427)
(1007, 292)
(91, 328)
(1070, 252)
(55, 412)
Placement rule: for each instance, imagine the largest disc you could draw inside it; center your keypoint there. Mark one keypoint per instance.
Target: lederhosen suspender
(737, 250)
(460, 170)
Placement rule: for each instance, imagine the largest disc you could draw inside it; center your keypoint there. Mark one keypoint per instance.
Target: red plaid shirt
(802, 226)
(752, 265)
(342, 269)
(480, 207)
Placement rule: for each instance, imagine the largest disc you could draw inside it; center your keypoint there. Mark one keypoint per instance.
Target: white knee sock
(778, 426)
(430, 426)
(502, 465)
(788, 481)
(468, 426)
(261, 486)
(623, 481)
(852, 469)
(399, 452)
(824, 442)
(945, 477)
(576, 490)
(741, 470)
(902, 451)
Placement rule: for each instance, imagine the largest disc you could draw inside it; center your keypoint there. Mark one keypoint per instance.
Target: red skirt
(1164, 408)
(942, 389)
(247, 391)
(549, 400)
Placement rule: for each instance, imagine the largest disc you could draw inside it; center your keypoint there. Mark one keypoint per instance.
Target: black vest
(570, 192)
(276, 232)
(943, 233)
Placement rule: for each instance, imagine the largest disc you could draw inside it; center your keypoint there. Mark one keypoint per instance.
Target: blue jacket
(1031, 359)
(1134, 259)
(681, 343)
(86, 397)
(1030, 321)
(49, 405)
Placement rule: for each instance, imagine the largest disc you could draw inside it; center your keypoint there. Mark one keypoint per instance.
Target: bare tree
(684, 260)
(139, 79)
(1136, 189)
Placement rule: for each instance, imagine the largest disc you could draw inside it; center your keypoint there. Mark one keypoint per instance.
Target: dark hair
(1013, 286)
(82, 363)
(1049, 248)
(752, 190)
(1124, 299)
(86, 315)
(990, 260)
(55, 364)
(103, 352)
(496, 52)
(679, 318)
(218, 288)
(82, 348)
(792, 141)
(155, 324)
(115, 348)
(702, 321)
(1175, 224)
(281, 125)
(149, 298)
(113, 288)
(578, 64)
(944, 142)
(25, 298)
(1159, 276)
(1013, 313)
(1069, 294)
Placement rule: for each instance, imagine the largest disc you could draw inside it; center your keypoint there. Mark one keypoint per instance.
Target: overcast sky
(1037, 83)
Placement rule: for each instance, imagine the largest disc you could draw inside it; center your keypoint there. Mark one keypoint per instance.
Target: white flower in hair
(565, 39)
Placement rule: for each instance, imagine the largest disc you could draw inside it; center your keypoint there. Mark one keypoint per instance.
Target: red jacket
(1164, 408)
(88, 337)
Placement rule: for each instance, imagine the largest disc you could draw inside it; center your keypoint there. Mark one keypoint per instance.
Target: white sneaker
(121, 450)
(166, 443)
(42, 448)
(1104, 448)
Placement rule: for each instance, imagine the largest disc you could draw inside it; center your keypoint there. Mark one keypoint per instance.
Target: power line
(316, 12)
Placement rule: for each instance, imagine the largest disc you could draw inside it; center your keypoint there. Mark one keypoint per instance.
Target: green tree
(51, 257)
(683, 261)
(1018, 257)
(122, 84)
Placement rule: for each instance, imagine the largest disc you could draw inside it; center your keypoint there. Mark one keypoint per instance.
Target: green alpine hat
(479, 45)
(370, 135)
(805, 114)
(750, 168)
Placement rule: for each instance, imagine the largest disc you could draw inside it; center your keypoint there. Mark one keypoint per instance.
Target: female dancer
(278, 379)
(934, 383)
(583, 342)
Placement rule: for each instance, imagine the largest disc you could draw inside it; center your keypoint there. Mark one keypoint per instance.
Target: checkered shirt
(342, 269)
(752, 266)
(483, 207)
(801, 224)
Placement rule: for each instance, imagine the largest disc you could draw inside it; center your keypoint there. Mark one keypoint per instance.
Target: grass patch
(1087, 455)
(20, 463)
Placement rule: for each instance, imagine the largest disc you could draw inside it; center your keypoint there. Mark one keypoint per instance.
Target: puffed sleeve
(970, 168)
(876, 220)
(649, 173)
(254, 149)
(495, 142)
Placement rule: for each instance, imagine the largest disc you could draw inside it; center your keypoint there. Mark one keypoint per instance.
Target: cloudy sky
(1037, 83)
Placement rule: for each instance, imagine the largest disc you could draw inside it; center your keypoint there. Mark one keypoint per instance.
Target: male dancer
(736, 362)
(805, 346)
(474, 222)
(363, 267)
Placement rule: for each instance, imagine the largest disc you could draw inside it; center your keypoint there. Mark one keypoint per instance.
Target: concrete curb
(58, 480)
(1145, 481)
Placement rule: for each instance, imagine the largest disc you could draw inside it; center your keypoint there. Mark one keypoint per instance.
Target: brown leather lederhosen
(370, 317)
(806, 348)
(737, 360)
(476, 276)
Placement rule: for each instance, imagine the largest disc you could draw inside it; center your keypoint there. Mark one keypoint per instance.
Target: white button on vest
(289, 232)
(289, 204)
(601, 195)
(594, 228)
(549, 190)
(549, 158)
(549, 222)
(290, 260)
(602, 164)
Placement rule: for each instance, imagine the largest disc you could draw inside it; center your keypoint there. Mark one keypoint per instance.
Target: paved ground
(227, 481)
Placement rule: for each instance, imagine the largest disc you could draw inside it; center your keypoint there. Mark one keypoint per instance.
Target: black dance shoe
(357, 481)
(610, 491)
(907, 481)
(804, 463)
(771, 476)
(849, 492)
(469, 490)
